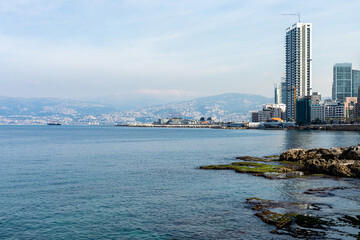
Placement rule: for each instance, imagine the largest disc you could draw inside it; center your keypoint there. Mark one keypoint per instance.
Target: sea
(106, 182)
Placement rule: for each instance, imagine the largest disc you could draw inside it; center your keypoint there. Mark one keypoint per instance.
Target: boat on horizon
(54, 124)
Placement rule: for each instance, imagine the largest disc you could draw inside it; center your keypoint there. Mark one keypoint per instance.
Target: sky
(174, 48)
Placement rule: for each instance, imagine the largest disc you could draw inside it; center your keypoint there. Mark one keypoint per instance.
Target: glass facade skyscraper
(342, 81)
(355, 82)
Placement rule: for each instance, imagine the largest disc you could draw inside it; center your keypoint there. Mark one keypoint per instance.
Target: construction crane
(292, 14)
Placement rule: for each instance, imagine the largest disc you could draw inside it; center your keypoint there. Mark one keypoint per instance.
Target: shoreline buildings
(298, 65)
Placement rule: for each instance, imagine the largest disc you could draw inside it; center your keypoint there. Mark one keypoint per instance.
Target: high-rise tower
(342, 81)
(298, 65)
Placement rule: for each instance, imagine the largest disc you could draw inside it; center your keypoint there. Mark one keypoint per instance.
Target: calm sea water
(77, 182)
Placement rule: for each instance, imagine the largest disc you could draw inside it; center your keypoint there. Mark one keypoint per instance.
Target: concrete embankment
(329, 127)
(176, 126)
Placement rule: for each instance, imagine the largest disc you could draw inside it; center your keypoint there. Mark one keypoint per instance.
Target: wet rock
(323, 192)
(301, 233)
(250, 158)
(290, 221)
(272, 157)
(294, 174)
(277, 219)
(354, 221)
(310, 221)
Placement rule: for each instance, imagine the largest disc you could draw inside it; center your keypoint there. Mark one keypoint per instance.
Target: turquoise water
(78, 182)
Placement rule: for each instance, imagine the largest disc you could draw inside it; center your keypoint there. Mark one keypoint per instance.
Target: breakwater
(329, 127)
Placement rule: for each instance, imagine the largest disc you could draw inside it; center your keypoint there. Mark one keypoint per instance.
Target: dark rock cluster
(342, 162)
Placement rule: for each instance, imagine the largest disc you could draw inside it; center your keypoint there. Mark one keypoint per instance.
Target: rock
(351, 153)
(310, 221)
(277, 219)
(340, 168)
(294, 174)
(316, 166)
(293, 155)
(355, 168)
(250, 158)
(323, 191)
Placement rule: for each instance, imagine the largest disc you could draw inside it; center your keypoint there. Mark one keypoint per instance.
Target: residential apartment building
(350, 109)
(317, 113)
(333, 111)
(298, 65)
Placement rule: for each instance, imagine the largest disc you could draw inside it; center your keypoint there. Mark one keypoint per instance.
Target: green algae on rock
(246, 167)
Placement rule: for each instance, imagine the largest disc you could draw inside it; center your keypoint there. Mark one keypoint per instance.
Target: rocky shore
(338, 162)
(304, 219)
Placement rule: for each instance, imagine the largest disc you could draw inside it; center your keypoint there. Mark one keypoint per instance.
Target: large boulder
(351, 153)
(340, 168)
(324, 153)
(355, 168)
(342, 162)
(293, 155)
(316, 165)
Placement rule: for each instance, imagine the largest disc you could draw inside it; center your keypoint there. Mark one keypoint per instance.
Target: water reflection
(312, 139)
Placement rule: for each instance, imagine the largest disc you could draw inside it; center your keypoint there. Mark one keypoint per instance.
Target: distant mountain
(224, 107)
(142, 98)
(10, 106)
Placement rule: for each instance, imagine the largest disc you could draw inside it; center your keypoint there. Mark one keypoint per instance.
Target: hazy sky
(76, 48)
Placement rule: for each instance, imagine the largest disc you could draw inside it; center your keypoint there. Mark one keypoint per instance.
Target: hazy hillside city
(225, 107)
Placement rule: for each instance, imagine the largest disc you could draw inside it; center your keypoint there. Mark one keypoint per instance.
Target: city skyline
(186, 49)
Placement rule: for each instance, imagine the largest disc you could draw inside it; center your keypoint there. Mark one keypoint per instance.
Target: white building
(333, 111)
(317, 112)
(298, 64)
(268, 112)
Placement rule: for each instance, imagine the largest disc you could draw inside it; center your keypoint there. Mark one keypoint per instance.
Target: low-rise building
(350, 109)
(317, 113)
(268, 112)
(255, 116)
(333, 111)
(303, 110)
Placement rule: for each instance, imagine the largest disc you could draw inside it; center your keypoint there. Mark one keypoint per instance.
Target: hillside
(224, 107)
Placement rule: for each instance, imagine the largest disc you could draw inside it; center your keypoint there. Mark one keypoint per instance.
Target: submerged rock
(290, 221)
(277, 219)
(323, 191)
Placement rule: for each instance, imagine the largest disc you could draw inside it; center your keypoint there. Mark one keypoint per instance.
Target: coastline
(303, 219)
(324, 127)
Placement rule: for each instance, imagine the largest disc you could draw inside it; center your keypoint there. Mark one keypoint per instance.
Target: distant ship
(54, 124)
